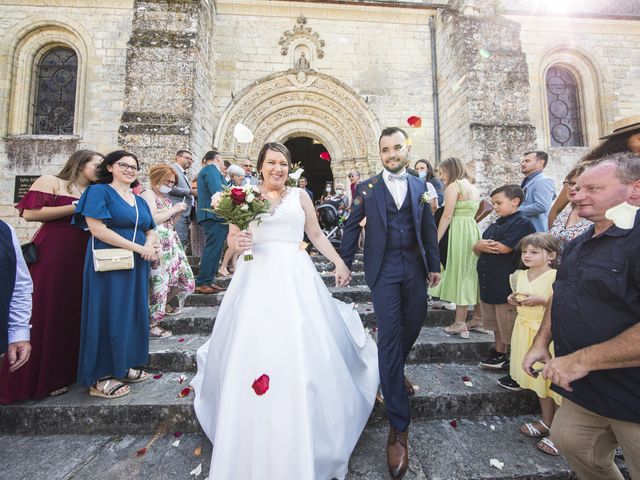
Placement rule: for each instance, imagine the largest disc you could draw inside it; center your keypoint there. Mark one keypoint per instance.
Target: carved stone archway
(303, 103)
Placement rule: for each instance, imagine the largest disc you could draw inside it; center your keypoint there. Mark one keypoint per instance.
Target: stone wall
(98, 31)
(604, 54)
(483, 87)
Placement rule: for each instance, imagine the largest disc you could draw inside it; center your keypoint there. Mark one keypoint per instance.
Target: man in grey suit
(182, 192)
(539, 191)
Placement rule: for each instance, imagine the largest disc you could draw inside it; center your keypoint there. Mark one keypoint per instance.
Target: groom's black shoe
(397, 453)
(408, 386)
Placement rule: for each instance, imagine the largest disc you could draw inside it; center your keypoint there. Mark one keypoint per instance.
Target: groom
(400, 257)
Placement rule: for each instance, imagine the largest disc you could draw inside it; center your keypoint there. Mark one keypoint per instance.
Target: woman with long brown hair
(57, 281)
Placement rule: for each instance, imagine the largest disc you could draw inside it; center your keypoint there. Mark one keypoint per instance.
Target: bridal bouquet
(240, 206)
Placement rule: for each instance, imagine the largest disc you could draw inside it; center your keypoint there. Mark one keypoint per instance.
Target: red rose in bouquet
(237, 196)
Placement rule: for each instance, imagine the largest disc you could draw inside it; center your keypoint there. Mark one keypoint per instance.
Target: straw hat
(624, 125)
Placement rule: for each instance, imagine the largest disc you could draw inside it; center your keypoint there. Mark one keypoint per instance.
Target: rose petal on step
(141, 452)
(177, 434)
(325, 156)
(494, 462)
(468, 384)
(196, 471)
(261, 384)
(466, 378)
(157, 376)
(197, 451)
(414, 121)
(185, 392)
(454, 423)
(182, 378)
(181, 340)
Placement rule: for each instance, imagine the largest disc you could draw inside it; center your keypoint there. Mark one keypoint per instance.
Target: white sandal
(550, 449)
(530, 430)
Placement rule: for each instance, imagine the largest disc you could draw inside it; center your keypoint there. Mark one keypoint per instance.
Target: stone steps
(154, 405)
(178, 353)
(201, 319)
(437, 452)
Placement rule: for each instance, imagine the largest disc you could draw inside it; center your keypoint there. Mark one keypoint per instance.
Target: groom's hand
(343, 275)
(433, 279)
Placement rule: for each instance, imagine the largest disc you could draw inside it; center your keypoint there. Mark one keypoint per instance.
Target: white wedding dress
(278, 319)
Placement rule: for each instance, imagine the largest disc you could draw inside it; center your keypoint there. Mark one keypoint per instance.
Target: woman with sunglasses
(114, 336)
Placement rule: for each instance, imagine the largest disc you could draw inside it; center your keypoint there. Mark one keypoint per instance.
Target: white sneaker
(439, 304)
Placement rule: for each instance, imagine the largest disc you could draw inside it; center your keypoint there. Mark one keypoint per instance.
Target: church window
(55, 99)
(563, 105)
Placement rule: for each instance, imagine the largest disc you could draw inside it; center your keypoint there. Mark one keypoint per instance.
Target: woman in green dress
(459, 282)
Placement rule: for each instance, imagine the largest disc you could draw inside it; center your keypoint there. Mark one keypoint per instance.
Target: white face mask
(164, 189)
(339, 191)
(328, 189)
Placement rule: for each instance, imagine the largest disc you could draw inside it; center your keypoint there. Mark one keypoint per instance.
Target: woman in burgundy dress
(57, 282)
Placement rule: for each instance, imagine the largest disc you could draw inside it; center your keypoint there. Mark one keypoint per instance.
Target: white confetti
(196, 471)
(468, 384)
(242, 134)
(492, 427)
(176, 443)
(494, 462)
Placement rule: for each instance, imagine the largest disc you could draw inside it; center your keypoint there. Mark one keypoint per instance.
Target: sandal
(109, 390)
(477, 327)
(458, 328)
(59, 391)
(531, 430)
(223, 273)
(547, 446)
(169, 310)
(158, 332)
(135, 376)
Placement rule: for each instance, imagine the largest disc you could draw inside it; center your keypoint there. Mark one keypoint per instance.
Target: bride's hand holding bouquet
(240, 206)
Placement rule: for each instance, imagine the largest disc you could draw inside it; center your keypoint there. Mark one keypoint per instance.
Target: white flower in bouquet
(244, 208)
(215, 199)
(296, 175)
(250, 197)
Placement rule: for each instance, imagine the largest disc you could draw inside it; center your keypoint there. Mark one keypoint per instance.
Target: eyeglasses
(126, 166)
(187, 157)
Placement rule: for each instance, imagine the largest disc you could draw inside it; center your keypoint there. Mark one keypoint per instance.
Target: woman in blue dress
(114, 335)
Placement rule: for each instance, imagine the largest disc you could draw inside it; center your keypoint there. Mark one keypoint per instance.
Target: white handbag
(108, 259)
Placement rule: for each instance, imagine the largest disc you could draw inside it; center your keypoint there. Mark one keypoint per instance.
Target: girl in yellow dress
(533, 290)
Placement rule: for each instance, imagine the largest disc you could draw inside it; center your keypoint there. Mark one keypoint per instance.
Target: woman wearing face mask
(328, 193)
(341, 196)
(435, 187)
(171, 275)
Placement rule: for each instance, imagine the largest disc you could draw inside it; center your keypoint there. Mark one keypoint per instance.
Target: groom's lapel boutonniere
(424, 198)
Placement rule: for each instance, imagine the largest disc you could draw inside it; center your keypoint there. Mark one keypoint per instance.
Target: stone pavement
(455, 431)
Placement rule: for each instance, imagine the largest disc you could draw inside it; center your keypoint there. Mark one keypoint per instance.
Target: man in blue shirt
(15, 300)
(594, 322)
(539, 191)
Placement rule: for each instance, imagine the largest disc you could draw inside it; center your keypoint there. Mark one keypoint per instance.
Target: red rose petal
(181, 340)
(157, 376)
(454, 423)
(466, 378)
(141, 452)
(261, 384)
(177, 434)
(414, 121)
(184, 392)
(325, 156)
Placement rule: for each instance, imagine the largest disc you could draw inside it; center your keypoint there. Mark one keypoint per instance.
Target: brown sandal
(135, 376)
(109, 390)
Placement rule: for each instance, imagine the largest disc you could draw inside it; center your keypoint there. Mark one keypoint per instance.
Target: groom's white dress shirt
(397, 186)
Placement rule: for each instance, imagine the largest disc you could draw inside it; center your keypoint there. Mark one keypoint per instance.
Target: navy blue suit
(400, 249)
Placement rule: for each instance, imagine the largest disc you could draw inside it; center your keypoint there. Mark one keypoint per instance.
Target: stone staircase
(455, 431)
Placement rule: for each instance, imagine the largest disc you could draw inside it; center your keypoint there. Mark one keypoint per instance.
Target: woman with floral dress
(171, 275)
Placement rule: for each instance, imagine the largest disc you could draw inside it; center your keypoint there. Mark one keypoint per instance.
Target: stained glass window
(563, 103)
(55, 102)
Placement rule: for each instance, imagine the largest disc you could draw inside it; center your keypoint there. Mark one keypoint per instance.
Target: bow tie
(401, 176)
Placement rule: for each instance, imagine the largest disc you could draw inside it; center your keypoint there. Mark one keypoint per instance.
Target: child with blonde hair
(532, 291)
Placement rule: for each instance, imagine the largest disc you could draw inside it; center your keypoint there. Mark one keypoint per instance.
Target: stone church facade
(489, 80)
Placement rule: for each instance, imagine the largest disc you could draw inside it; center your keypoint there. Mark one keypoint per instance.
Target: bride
(288, 379)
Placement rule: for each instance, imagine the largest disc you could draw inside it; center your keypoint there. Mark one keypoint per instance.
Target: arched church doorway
(305, 152)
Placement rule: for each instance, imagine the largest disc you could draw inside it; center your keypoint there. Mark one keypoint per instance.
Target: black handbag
(443, 245)
(29, 252)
